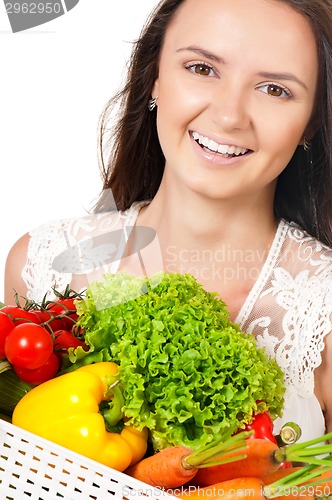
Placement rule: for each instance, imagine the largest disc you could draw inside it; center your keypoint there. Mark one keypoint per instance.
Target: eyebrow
(265, 74)
(203, 52)
(283, 76)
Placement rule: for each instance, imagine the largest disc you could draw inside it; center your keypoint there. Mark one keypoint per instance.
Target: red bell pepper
(262, 426)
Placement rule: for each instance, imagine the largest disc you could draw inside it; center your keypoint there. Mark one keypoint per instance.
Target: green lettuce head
(188, 373)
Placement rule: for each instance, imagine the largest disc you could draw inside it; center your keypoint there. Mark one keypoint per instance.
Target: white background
(55, 80)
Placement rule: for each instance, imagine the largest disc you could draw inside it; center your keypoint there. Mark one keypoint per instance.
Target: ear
(155, 89)
(312, 127)
(310, 131)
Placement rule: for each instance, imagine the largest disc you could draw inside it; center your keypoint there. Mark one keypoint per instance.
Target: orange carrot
(166, 469)
(250, 487)
(259, 462)
(177, 465)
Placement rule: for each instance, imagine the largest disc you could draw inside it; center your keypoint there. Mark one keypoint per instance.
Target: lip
(217, 159)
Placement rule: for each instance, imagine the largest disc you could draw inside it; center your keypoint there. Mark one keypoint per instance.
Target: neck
(197, 221)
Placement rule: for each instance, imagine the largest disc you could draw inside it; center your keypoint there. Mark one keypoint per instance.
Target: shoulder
(305, 251)
(301, 280)
(14, 264)
(297, 233)
(306, 280)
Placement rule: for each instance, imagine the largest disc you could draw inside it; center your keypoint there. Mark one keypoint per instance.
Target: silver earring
(306, 144)
(152, 103)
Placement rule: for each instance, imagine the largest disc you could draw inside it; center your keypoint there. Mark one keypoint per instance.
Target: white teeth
(205, 141)
(213, 146)
(223, 149)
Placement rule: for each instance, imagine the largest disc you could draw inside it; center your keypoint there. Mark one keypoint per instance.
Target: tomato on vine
(63, 339)
(28, 345)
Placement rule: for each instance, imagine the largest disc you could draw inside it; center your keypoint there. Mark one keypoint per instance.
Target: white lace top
(288, 310)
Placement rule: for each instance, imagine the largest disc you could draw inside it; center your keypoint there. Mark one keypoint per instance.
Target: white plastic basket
(32, 467)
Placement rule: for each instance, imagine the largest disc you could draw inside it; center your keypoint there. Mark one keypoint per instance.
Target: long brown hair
(135, 165)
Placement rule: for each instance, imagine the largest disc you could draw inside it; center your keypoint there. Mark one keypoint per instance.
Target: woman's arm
(13, 272)
(323, 380)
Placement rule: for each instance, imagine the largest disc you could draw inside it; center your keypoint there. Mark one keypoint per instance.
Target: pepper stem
(112, 412)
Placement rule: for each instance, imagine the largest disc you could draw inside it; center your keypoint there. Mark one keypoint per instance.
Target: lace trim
(130, 221)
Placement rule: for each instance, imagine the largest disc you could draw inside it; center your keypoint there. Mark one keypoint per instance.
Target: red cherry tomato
(19, 315)
(6, 326)
(65, 339)
(42, 315)
(28, 346)
(262, 425)
(41, 374)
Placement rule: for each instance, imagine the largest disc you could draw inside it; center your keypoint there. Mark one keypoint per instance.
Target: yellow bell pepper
(65, 410)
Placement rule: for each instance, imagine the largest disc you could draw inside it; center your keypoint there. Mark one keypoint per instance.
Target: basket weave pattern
(32, 467)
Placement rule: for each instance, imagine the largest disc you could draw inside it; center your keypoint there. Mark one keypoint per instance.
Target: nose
(231, 108)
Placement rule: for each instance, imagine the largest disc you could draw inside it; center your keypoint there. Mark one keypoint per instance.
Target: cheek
(179, 111)
(282, 132)
(279, 136)
(179, 98)
(165, 127)
(174, 114)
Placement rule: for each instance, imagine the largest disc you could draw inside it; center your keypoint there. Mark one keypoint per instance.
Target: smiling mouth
(224, 150)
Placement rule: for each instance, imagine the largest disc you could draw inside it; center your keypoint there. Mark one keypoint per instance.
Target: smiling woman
(221, 146)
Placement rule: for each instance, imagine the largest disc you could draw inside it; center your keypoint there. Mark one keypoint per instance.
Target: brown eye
(202, 70)
(275, 91)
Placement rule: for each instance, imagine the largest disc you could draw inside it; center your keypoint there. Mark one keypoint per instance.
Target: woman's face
(237, 84)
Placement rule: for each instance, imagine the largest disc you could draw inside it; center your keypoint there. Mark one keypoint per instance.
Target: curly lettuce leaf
(189, 374)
